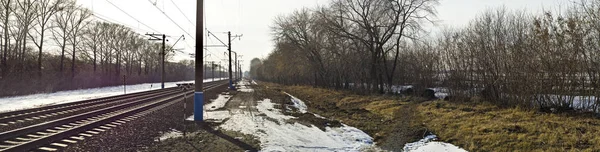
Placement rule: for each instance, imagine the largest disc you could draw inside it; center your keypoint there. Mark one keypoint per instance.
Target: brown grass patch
(485, 127)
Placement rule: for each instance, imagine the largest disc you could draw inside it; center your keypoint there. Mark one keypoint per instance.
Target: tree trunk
(73, 63)
(40, 53)
(62, 54)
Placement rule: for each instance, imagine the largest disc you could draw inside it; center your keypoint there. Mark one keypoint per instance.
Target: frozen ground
(35, 100)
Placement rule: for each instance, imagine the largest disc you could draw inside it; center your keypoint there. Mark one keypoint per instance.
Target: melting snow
(171, 134)
(428, 145)
(276, 134)
(298, 103)
(218, 103)
(243, 86)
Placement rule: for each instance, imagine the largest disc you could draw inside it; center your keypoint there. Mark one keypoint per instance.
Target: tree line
(53, 45)
(549, 60)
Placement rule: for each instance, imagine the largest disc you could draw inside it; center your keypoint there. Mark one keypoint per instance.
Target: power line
(132, 16)
(182, 13)
(171, 20)
(107, 19)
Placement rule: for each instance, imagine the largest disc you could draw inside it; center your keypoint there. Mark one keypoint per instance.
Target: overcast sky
(253, 19)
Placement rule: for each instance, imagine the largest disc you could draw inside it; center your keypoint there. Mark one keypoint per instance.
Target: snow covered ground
(35, 100)
(276, 134)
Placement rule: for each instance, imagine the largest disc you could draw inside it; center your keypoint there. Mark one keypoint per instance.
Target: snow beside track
(37, 100)
(218, 103)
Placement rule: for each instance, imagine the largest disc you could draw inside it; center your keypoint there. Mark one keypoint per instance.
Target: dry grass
(485, 127)
(472, 126)
(388, 119)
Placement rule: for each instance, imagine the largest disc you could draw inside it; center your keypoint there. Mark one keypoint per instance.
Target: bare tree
(77, 23)
(46, 10)
(62, 31)
(7, 7)
(25, 15)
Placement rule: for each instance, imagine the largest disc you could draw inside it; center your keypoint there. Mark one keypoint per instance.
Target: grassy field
(393, 121)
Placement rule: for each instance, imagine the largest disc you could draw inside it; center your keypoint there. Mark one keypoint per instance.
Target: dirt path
(242, 103)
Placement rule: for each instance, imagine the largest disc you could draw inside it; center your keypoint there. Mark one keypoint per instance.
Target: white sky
(253, 19)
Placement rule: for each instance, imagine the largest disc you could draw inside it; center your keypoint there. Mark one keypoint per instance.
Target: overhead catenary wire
(163, 12)
(132, 16)
(188, 19)
(113, 21)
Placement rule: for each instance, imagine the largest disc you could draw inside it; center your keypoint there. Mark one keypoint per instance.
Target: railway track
(59, 125)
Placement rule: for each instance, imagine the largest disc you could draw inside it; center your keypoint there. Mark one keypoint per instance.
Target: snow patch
(428, 144)
(243, 86)
(218, 103)
(298, 103)
(276, 134)
(170, 134)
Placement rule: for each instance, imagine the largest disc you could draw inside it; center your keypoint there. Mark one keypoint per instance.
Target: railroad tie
(34, 136)
(98, 129)
(23, 139)
(43, 133)
(47, 149)
(77, 137)
(59, 145)
(69, 141)
(5, 146)
(13, 142)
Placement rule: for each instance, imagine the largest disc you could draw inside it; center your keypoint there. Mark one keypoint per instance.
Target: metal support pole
(212, 66)
(162, 76)
(198, 94)
(230, 69)
(236, 67)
